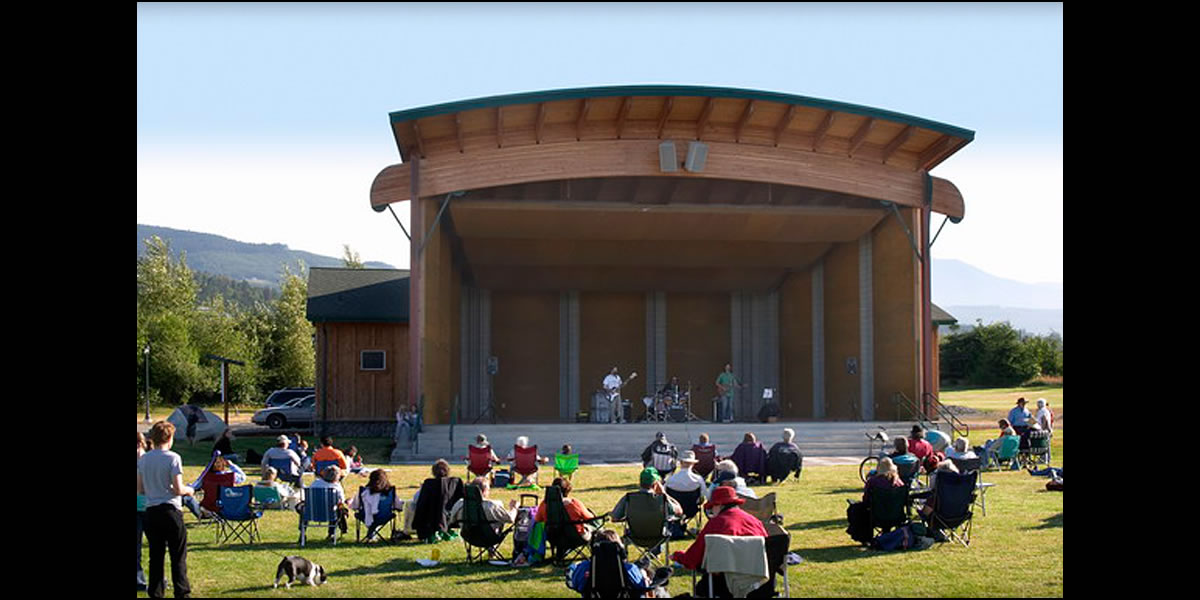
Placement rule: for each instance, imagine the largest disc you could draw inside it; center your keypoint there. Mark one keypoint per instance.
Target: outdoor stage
(598, 443)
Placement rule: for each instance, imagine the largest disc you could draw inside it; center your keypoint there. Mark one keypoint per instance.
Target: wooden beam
(541, 121)
(861, 135)
(822, 129)
(584, 106)
(896, 142)
(487, 168)
(746, 114)
(784, 123)
(666, 112)
(417, 136)
(458, 132)
(623, 113)
(709, 104)
(499, 126)
(933, 153)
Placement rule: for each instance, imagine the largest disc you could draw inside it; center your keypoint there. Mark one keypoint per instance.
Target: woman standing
(160, 479)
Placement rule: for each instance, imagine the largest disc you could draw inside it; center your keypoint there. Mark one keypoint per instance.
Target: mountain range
(964, 291)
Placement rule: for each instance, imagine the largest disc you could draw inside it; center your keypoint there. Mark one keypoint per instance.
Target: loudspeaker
(696, 157)
(667, 162)
(769, 411)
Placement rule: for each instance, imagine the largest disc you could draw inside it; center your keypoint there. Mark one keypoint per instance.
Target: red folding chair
(212, 484)
(707, 459)
(480, 464)
(525, 462)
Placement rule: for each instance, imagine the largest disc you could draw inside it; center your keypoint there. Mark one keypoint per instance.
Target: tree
(289, 359)
(166, 298)
(350, 258)
(988, 355)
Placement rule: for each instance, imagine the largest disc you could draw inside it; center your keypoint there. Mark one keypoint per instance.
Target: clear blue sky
(267, 123)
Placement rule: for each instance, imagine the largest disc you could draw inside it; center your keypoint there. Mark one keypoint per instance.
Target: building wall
(525, 341)
(441, 281)
(698, 342)
(897, 315)
(842, 339)
(796, 346)
(354, 394)
(612, 332)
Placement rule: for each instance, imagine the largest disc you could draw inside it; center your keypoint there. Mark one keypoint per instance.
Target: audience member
(511, 457)
(281, 451)
(648, 483)
(576, 511)
(661, 455)
(727, 519)
(961, 450)
(685, 479)
(327, 453)
(785, 457)
(160, 480)
(751, 458)
(727, 471)
(142, 447)
(706, 456)
(330, 478)
(367, 500)
(289, 497)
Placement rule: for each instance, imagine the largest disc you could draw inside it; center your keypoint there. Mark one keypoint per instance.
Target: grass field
(1023, 525)
(988, 405)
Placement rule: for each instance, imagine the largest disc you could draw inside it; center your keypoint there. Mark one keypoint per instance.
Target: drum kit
(669, 406)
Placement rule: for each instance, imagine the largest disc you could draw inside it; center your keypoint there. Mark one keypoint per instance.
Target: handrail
(935, 407)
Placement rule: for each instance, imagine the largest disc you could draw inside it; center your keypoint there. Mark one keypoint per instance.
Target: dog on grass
(298, 568)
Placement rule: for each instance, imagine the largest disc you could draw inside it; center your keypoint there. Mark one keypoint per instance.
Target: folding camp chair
(889, 508)
(211, 485)
(385, 516)
(283, 466)
(480, 537)
(953, 495)
(479, 462)
(565, 465)
(975, 465)
(1008, 453)
(237, 517)
(435, 499)
(320, 466)
(320, 508)
(778, 541)
(267, 497)
(706, 460)
(525, 463)
(723, 553)
(783, 461)
(1038, 451)
(646, 518)
(562, 534)
(692, 503)
(763, 508)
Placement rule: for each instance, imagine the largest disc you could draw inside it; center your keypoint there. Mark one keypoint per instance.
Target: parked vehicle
(296, 413)
(285, 395)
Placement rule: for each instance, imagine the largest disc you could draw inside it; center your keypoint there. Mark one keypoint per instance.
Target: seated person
(288, 497)
(922, 449)
(639, 581)
(355, 460)
(991, 451)
(327, 453)
(526, 477)
(224, 445)
(727, 519)
(576, 511)
(648, 483)
(885, 476)
(727, 471)
(706, 455)
(938, 440)
(366, 501)
(901, 457)
(331, 478)
(785, 458)
(686, 480)
(494, 510)
(661, 455)
(751, 458)
(281, 451)
(931, 498)
(480, 456)
(434, 517)
(219, 472)
(961, 450)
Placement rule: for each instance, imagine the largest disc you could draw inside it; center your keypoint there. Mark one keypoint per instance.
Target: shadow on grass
(849, 490)
(1051, 522)
(836, 554)
(829, 524)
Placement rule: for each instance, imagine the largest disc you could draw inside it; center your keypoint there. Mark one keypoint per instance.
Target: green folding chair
(565, 465)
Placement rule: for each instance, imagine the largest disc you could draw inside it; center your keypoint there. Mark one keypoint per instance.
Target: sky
(268, 123)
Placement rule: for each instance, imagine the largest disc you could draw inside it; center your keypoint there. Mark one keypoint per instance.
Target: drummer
(671, 392)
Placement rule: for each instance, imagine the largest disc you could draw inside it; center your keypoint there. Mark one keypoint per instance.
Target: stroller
(609, 574)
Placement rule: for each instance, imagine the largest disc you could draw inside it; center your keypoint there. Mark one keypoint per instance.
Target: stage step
(609, 443)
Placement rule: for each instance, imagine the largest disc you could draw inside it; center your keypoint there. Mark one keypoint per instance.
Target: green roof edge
(401, 116)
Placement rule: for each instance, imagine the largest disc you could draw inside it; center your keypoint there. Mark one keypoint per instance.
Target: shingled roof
(357, 295)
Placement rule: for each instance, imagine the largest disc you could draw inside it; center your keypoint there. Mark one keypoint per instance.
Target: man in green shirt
(727, 382)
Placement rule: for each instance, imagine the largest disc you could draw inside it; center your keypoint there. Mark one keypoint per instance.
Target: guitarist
(612, 387)
(727, 383)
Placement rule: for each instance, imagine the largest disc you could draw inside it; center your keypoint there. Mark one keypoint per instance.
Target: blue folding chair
(237, 517)
(320, 509)
(385, 515)
(284, 468)
(320, 466)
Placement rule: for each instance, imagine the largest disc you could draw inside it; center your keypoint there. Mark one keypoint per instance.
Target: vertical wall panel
(525, 339)
(612, 332)
(698, 342)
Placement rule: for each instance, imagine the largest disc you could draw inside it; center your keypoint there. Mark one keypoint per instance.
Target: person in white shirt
(612, 386)
(1044, 416)
(961, 450)
(686, 480)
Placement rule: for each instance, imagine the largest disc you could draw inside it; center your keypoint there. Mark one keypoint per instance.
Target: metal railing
(936, 409)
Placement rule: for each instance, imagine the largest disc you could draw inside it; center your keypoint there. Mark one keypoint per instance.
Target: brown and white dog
(298, 568)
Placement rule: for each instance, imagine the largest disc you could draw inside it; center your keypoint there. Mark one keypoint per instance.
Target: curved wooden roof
(752, 136)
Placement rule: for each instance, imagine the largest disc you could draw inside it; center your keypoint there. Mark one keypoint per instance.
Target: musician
(671, 390)
(612, 387)
(727, 383)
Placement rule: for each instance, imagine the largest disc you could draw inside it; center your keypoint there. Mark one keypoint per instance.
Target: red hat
(723, 495)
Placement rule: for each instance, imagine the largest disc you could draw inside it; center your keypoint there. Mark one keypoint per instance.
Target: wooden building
(361, 318)
(668, 230)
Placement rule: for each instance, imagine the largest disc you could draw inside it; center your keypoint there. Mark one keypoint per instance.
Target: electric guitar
(614, 392)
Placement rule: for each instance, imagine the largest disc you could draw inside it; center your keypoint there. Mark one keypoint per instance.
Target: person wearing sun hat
(727, 519)
(685, 479)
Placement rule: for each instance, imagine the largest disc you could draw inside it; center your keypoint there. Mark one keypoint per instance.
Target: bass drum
(601, 410)
(678, 413)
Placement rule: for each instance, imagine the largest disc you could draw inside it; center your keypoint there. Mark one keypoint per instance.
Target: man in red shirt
(728, 520)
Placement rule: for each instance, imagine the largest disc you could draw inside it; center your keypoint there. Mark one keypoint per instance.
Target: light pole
(146, 358)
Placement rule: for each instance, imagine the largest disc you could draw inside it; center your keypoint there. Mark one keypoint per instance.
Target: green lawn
(988, 405)
(1024, 524)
